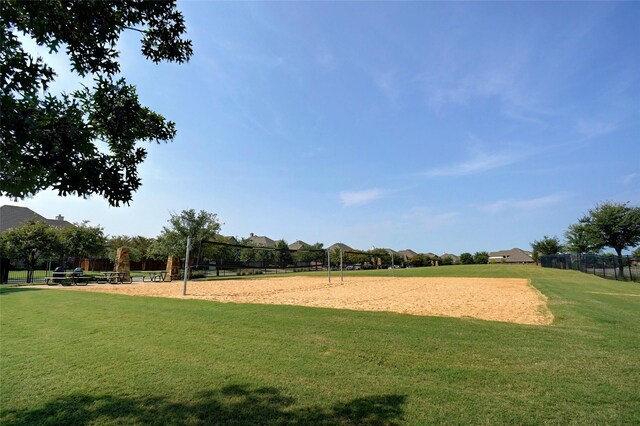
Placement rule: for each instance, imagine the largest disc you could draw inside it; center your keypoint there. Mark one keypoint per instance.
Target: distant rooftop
(262, 241)
(297, 245)
(515, 255)
(15, 216)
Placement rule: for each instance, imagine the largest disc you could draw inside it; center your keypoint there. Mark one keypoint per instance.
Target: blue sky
(440, 127)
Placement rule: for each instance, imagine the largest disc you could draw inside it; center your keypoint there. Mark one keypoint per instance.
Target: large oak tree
(615, 225)
(51, 141)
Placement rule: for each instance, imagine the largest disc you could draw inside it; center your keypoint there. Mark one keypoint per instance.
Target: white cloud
(325, 57)
(423, 218)
(593, 129)
(630, 178)
(481, 163)
(531, 204)
(387, 83)
(356, 198)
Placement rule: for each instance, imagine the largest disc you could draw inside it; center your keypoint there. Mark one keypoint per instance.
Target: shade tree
(614, 225)
(30, 242)
(198, 226)
(87, 141)
(481, 258)
(545, 246)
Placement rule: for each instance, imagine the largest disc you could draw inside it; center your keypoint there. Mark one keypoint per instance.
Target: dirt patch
(497, 299)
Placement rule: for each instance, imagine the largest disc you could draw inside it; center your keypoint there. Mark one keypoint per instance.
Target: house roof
(14, 216)
(262, 241)
(297, 245)
(451, 256)
(515, 255)
(224, 239)
(407, 253)
(342, 246)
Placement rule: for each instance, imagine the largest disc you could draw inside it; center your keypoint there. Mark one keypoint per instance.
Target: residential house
(515, 255)
(341, 246)
(261, 241)
(453, 257)
(15, 216)
(407, 254)
(298, 245)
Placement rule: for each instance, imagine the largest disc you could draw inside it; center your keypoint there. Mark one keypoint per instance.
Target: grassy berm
(89, 358)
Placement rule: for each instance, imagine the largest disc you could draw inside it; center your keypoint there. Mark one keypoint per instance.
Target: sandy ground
(496, 299)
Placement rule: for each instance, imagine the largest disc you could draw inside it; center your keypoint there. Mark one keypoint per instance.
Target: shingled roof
(407, 253)
(15, 216)
(262, 241)
(342, 246)
(297, 245)
(515, 255)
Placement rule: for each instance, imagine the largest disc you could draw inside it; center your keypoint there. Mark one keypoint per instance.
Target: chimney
(251, 235)
(59, 217)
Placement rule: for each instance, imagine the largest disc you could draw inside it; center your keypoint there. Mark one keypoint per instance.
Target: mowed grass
(74, 357)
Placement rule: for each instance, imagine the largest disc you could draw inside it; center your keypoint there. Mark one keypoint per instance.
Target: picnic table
(116, 277)
(155, 276)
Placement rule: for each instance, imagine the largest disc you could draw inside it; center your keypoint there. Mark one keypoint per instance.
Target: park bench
(155, 276)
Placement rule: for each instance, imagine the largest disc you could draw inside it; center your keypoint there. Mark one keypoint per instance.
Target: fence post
(186, 266)
(329, 265)
(629, 265)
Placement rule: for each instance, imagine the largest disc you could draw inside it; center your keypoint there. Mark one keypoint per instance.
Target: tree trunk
(30, 265)
(620, 265)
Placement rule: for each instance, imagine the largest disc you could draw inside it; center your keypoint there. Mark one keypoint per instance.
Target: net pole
(186, 266)
(329, 265)
(341, 271)
(393, 267)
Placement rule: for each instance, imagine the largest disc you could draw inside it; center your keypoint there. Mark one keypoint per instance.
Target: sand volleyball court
(497, 299)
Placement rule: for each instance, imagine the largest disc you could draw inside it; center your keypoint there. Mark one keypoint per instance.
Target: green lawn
(75, 357)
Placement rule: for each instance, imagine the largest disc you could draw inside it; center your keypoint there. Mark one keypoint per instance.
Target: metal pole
(329, 265)
(393, 267)
(341, 271)
(186, 266)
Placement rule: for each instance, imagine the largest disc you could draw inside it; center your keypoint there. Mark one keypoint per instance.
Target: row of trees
(479, 258)
(608, 225)
(34, 241)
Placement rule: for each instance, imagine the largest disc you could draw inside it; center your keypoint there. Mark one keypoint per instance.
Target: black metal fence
(626, 268)
(14, 271)
(227, 259)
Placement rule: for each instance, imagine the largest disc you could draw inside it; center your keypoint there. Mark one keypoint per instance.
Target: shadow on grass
(231, 405)
(6, 289)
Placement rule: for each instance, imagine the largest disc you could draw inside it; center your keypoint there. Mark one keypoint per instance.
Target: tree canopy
(579, 240)
(30, 242)
(52, 141)
(466, 258)
(545, 246)
(83, 240)
(481, 257)
(200, 226)
(614, 225)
